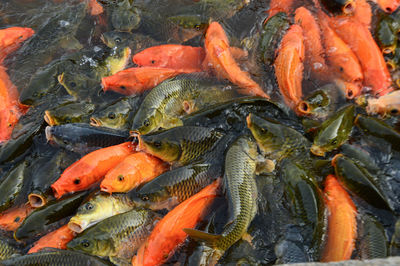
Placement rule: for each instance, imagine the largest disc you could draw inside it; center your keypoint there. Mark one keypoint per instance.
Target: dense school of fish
(199, 132)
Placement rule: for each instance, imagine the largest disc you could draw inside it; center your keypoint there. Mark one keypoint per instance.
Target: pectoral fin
(209, 239)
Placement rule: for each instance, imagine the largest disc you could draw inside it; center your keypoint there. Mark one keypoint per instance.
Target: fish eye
(72, 84)
(145, 198)
(111, 115)
(89, 206)
(341, 69)
(157, 144)
(146, 122)
(117, 40)
(65, 142)
(121, 178)
(77, 181)
(152, 61)
(85, 243)
(263, 130)
(197, 27)
(122, 87)
(394, 111)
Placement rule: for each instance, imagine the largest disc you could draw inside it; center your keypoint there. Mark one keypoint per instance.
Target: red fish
(56, 239)
(389, 6)
(134, 170)
(95, 8)
(11, 219)
(11, 39)
(167, 235)
(289, 66)
(342, 223)
(314, 51)
(139, 79)
(361, 42)
(220, 59)
(90, 169)
(276, 6)
(173, 56)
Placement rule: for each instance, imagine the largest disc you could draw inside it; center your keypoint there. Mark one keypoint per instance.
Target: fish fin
(209, 239)
(247, 237)
(119, 261)
(70, 43)
(265, 166)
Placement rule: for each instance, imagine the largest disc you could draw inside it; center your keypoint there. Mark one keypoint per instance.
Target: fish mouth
(49, 135)
(60, 78)
(36, 200)
(95, 122)
(349, 8)
(303, 108)
(49, 120)
(105, 189)
(316, 150)
(335, 158)
(57, 192)
(248, 121)
(76, 226)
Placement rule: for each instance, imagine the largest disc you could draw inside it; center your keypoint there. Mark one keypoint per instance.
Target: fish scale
(6, 251)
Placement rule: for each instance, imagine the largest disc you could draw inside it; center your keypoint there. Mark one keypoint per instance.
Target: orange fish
(95, 8)
(167, 235)
(173, 56)
(363, 12)
(10, 108)
(11, 39)
(139, 79)
(341, 59)
(220, 59)
(276, 6)
(361, 42)
(314, 51)
(342, 223)
(289, 66)
(11, 219)
(350, 89)
(389, 6)
(134, 170)
(90, 169)
(56, 239)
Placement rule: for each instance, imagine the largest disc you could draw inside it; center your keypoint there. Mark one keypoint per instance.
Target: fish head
(16, 35)
(264, 132)
(117, 60)
(74, 83)
(111, 118)
(87, 245)
(153, 56)
(160, 146)
(119, 182)
(125, 17)
(115, 38)
(147, 120)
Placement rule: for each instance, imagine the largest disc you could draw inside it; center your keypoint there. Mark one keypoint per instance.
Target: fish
(56, 239)
(182, 144)
(169, 229)
(95, 8)
(373, 239)
(385, 106)
(241, 193)
(172, 56)
(11, 185)
(46, 218)
(342, 223)
(346, 7)
(276, 6)
(350, 90)
(361, 42)
(386, 35)
(378, 128)
(83, 138)
(276, 140)
(55, 256)
(125, 17)
(389, 6)
(220, 59)
(172, 99)
(314, 51)
(97, 208)
(117, 237)
(173, 187)
(11, 39)
(359, 181)
(363, 13)
(12, 218)
(289, 66)
(137, 80)
(134, 170)
(334, 131)
(118, 115)
(320, 103)
(6, 250)
(69, 113)
(394, 243)
(90, 169)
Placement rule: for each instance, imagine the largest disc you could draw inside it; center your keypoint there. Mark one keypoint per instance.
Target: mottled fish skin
(167, 102)
(55, 257)
(6, 250)
(117, 236)
(180, 144)
(98, 208)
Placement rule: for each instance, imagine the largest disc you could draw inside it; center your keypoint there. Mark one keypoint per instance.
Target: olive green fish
(117, 237)
(386, 35)
(11, 185)
(57, 257)
(97, 208)
(334, 132)
(6, 250)
(69, 113)
(372, 238)
(180, 144)
(241, 192)
(359, 181)
(166, 103)
(125, 17)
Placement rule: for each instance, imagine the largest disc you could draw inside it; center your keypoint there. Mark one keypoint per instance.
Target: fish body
(98, 208)
(334, 131)
(139, 79)
(117, 237)
(340, 6)
(84, 138)
(342, 224)
(11, 39)
(289, 65)
(6, 250)
(56, 239)
(90, 169)
(168, 102)
(180, 144)
(219, 58)
(169, 229)
(69, 113)
(386, 35)
(11, 185)
(134, 170)
(12, 218)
